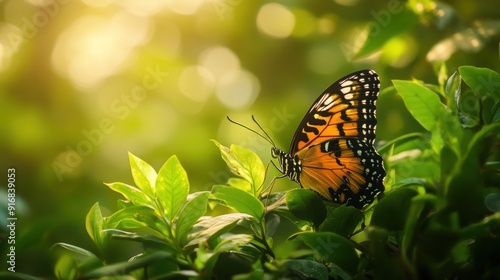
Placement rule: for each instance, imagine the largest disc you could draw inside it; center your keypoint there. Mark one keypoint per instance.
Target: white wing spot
(345, 90)
(328, 101)
(346, 83)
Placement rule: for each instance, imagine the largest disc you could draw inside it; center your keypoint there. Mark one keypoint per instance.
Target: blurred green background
(83, 82)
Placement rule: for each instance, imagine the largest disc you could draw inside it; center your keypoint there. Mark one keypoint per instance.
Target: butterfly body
(332, 150)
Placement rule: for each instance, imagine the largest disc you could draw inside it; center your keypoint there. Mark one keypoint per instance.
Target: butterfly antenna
(268, 139)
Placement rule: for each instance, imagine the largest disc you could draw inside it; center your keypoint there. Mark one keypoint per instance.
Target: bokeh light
(275, 20)
(238, 90)
(94, 47)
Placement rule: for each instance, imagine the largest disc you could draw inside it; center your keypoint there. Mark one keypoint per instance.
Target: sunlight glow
(220, 61)
(275, 20)
(94, 48)
(347, 2)
(141, 8)
(10, 42)
(185, 7)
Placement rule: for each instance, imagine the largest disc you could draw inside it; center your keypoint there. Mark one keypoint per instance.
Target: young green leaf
(131, 193)
(190, 213)
(238, 200)
(75, 249)
(452, 90)
(144, 175)
(306, 205)
(94, 225)
(137, 217)
(244, 163)
(421, 102)
(172, 187)
(66, 268)
(212, 227)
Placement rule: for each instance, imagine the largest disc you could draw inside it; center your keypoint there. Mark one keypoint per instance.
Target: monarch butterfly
(332, 149)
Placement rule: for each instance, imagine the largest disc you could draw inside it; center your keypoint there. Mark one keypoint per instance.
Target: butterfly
(332, 149)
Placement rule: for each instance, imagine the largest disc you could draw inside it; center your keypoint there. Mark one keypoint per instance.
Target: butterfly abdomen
(290, 165)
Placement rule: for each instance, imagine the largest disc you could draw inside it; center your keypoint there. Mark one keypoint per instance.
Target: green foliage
(441, 225)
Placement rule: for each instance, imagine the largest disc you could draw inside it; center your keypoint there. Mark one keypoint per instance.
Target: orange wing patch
(341, 170)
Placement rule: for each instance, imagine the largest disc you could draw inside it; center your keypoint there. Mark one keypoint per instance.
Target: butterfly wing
(345, 109)
(343, 170)
(334, 142)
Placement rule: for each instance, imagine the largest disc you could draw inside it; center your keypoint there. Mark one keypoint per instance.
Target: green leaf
(244, 163)
(386, 264)
(332, 248)
(481, 228)
(18, 275)
(190, 213)
(307, 269)
(495, 112)
(131, 193)
(452, 90)
(125, 267)
(74, 249)
(306, 205)
(144, 175)
(448, 161)
(422, 103)
(172, 187)
(233, 242)
(78, 261)
(137, 217)
(342, 220)
(147, 240)
(391, 212)
(212, 227)
(482, 81)
(94, 225)
(387, 24)
(66, 268)
(469, 109)
(464, 187)
(238, 200)
(419, 204)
